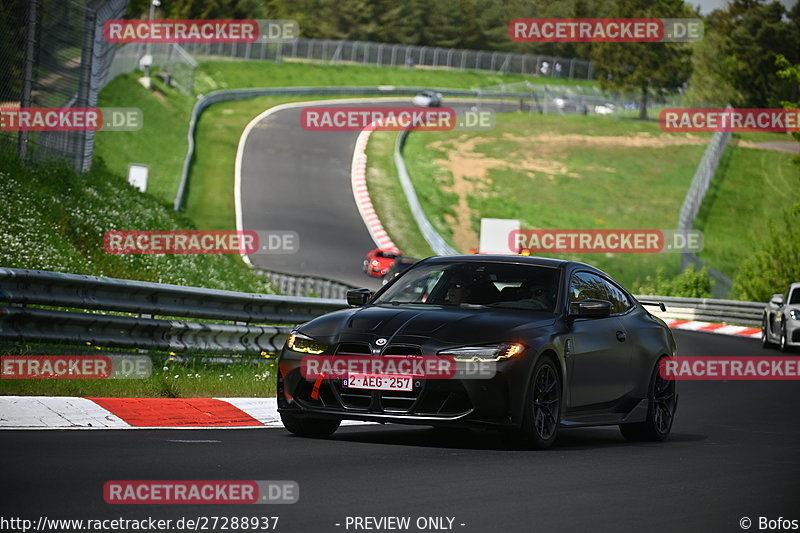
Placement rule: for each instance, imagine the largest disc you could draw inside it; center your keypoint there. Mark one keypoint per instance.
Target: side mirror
(358, 297)
(590, 309)
(777, 299)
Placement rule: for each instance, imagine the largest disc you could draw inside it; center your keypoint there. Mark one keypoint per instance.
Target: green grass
(569, 184)
(388, 198)
(750, 187)
(210, 198)
(55, 219)
(160, 144)
(170, 379)
(215, 75)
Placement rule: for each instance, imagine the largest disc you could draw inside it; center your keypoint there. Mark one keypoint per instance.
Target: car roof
(516, 259)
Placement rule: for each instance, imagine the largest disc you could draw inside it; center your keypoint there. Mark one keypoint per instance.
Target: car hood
(447, 325)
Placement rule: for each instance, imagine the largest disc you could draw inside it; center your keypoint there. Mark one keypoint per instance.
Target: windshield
(513, 286)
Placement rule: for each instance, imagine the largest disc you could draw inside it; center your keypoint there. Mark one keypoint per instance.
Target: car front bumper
(473, 402)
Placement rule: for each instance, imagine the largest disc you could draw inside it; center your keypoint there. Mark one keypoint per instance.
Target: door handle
(621, 336)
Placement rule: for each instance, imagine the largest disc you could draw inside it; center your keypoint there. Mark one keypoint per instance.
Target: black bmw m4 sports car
(568, 346)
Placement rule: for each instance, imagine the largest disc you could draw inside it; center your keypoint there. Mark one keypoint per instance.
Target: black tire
(783, 346)
(660, 411)
(765, 342)
(310, 427)
(542, 407)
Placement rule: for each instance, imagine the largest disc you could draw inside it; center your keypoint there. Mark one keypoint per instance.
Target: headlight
(492, 352)
(298, 342)
(794, 314)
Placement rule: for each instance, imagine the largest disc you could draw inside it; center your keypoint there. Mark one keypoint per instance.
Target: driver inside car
(536, 291)
(459, 289)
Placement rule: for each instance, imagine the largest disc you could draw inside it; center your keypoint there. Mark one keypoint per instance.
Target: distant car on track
(781, 320)
(400, 265)
(570, 347)
(604, 109)
(428, 99)
(379, 261)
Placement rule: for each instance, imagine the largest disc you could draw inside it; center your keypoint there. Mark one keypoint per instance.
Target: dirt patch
(470, 168)
(639, 140)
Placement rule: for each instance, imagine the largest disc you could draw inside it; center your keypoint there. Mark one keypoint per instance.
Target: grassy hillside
(55, 219)
(751, 186)
(590, 172)
(558, 172)
(161, 143)
(214, 75)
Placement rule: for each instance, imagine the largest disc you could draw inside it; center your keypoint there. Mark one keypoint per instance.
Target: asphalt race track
(734, 452)
(297, 180)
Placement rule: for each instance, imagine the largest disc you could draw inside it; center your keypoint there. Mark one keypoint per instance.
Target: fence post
(84, 82)
(27, 77)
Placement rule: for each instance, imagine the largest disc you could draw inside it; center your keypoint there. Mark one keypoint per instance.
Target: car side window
(795, 297)
(617, 297)
(584, 285)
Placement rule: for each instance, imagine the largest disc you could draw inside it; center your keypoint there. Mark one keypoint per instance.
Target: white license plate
(378, 382)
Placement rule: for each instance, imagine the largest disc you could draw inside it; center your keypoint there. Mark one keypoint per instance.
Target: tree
(777, 262)
(644, 67)
(735, 61)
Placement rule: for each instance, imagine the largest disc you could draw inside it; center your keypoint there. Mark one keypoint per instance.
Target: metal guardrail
(93, 295)
(51, 307)
(694, 199)
(435, 241)
(709, 310)
(308, 285)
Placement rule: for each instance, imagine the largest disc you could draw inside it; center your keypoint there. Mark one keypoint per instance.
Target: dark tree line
(734, 63)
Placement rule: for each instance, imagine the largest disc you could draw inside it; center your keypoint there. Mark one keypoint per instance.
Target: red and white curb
(358, 179)
(60, 412)
(710, 327)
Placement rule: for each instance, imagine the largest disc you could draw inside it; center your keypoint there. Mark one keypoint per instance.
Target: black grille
(352, 398)
(401, 401)
(353, 348)
(402, 349)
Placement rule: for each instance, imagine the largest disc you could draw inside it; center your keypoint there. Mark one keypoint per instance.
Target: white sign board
(137, 176)
(495, 233)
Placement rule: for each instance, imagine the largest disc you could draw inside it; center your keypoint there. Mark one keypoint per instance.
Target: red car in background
(378, 261)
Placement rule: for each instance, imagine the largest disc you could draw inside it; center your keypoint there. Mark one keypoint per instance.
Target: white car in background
(781, 321)
(604, 109)
(428, 99)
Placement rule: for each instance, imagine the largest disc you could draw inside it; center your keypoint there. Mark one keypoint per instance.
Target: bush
(688, 284)
(775, 264)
